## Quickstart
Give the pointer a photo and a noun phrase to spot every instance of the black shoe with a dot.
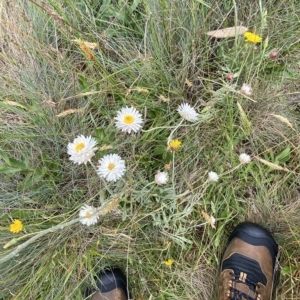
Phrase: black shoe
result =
(111, 285)
(249, 264)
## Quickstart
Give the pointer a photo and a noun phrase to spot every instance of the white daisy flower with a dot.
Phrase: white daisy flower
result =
(246, 89)
(213, 176)
(82, 149)
(187, 112)
(129, 119)
(89, 215)
(111, 167)
(244, 158)
(161, 178)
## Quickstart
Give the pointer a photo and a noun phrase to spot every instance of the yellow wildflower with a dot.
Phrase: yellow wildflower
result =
(16, 226)
(174, 145)
(169, 262)
(252, 37)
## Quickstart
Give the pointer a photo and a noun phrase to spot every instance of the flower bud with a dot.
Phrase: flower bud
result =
(229, 76)
(273, 54)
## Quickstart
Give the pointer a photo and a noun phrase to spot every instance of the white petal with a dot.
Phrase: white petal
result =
(213, 176)
(187, 112)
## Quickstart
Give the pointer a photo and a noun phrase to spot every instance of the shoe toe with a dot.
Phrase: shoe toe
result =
(256, 235)
(111, 279)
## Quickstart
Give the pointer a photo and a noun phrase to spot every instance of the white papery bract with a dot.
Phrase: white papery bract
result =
(246, 89)
(187, 112)
(111, 167)
(129, 119)
(161, 178)
(212, 221)
(82, 149)
(244, 158)
(213, 176)
(89, 215)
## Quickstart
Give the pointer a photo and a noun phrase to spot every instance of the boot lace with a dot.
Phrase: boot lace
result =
(235, 294)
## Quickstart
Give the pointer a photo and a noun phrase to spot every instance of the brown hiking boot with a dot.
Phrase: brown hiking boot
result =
(112, 285)
(249, 264)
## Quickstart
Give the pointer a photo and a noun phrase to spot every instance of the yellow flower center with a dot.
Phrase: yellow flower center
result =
(111, 166)
(129, 119)
(79, 146)
(87, 214)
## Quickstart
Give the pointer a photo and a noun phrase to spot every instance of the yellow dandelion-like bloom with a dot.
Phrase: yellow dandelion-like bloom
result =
(252, 37)
(174, 145)
(169, 262)
(16, 226)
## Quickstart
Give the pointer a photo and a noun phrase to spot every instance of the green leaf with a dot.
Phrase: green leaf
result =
(283, 156)
(224, 214)
(288, 270)
(208, 5)
(4, 157)
(26, 160)
(100, 134)
(30, 180)
(134, 5)
(9, 170)
(17, 163)
(159, 150)
(213, 207)
(83, 82)
(218, 239)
